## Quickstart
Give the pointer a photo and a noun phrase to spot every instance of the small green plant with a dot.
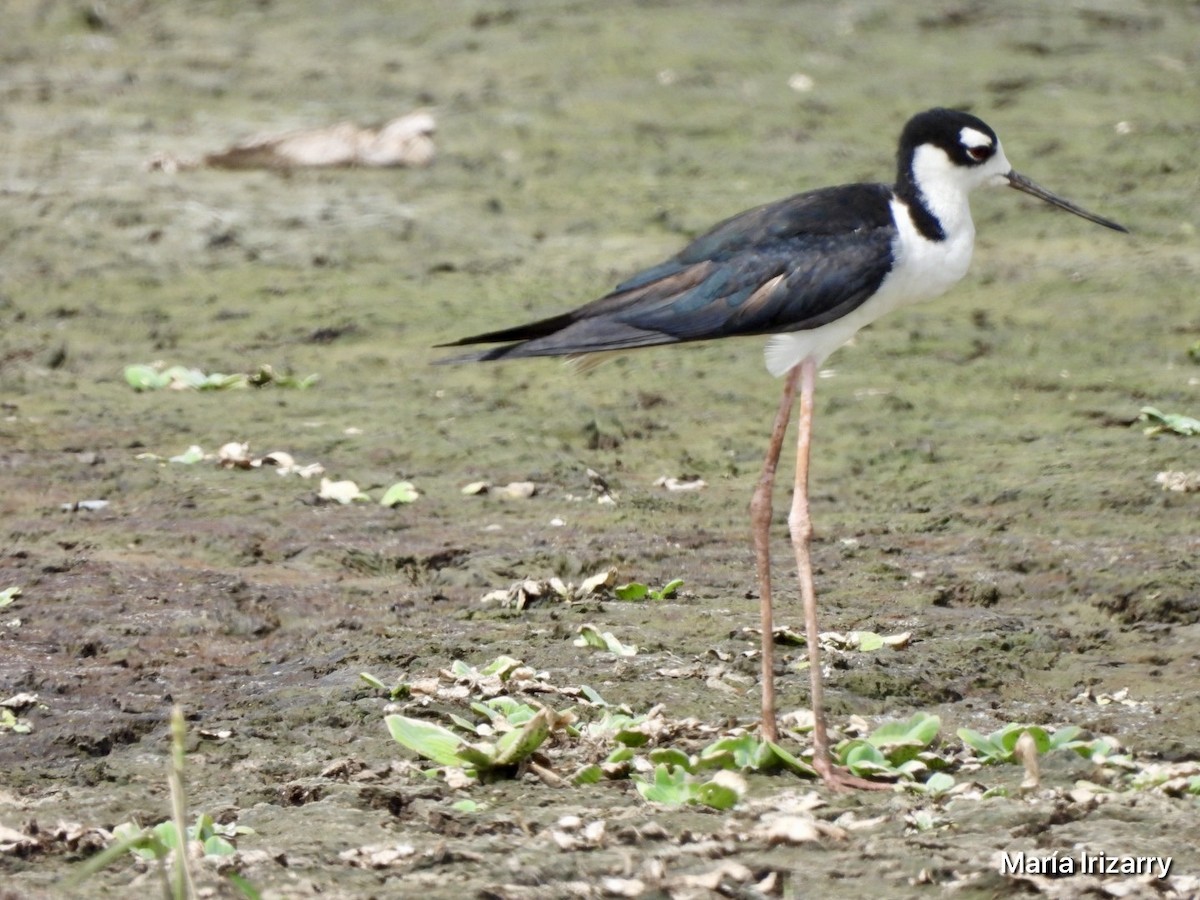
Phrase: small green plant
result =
(398, 691)
(936, 785)
(1172, 778)
(635, 590)
(9, 595)
(744, 753)
(675, 786)
(894, 750)
(10, 721)
(1000, 746)
(161, 843)
(157, 377)
(590, 636)
(398, 494)
(864, 641)
(1156, 422)
(480, 759)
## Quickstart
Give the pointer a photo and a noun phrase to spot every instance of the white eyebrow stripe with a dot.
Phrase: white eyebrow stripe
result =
(971, 137)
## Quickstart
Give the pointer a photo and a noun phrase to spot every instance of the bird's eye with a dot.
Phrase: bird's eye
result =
(979, 154)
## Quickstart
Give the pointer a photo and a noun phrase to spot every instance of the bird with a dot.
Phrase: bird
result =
(808, 271)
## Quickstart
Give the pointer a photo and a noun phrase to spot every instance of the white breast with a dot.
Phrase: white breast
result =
(921, 269)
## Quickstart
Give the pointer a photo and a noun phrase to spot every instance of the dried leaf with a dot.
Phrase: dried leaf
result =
(1183, 482)
(235, 454)
(377, 856)
(600, 580)
(404, 141)
(340, 491)
(686, 483)
(280, 459)
(516, 490)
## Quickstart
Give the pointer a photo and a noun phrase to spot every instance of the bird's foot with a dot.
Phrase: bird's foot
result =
(838, 779)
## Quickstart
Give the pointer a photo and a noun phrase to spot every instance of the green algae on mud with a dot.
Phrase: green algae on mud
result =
(975, 479)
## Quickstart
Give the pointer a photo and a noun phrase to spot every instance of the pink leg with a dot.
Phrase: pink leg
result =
(760, 520)
(800, 526)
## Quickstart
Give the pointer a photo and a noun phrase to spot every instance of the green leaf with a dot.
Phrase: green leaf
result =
(145, 378)
(592, 774)
(10, 722)
(868, 640)
(592, 696)
(669, 787)
(938, 783)
(465, 724)
(981, 744)
(466, 805)
(740, 752)
(480, 755)
(220, 382)
(999, 746)
(373, 681)
(520, 744)
(167, 833)
(1065, 737)
(791, 762)
(917, 732)
(502, 667)
(863, 758)
(426, 739)
(671, 756)
(189, 457)
(398, 493)
(668, 590)
(716, 796)
(590, 636)
(631, 737)
(215, 845)
(1157, 422)
(620, 755)
(8, 595)
(143, 842)
(509, 708)
(632, 591)
(1012, 733)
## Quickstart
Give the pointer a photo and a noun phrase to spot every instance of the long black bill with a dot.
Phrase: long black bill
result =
(1021, 183)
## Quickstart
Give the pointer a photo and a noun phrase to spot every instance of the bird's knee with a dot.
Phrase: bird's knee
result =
(800, 525)
(760, 504)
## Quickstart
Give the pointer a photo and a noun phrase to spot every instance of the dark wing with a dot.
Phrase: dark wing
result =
(791, 265)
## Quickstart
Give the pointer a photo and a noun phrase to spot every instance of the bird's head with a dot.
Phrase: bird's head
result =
(946, 153)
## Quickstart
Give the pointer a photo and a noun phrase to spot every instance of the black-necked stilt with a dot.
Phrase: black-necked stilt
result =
(811, 271)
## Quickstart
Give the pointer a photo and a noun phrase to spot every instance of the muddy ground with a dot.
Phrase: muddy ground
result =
(976, 480)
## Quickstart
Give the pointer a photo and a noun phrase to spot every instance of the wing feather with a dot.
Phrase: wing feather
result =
(792, 265)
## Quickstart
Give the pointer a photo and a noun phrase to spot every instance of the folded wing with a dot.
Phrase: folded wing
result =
(792, 265)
